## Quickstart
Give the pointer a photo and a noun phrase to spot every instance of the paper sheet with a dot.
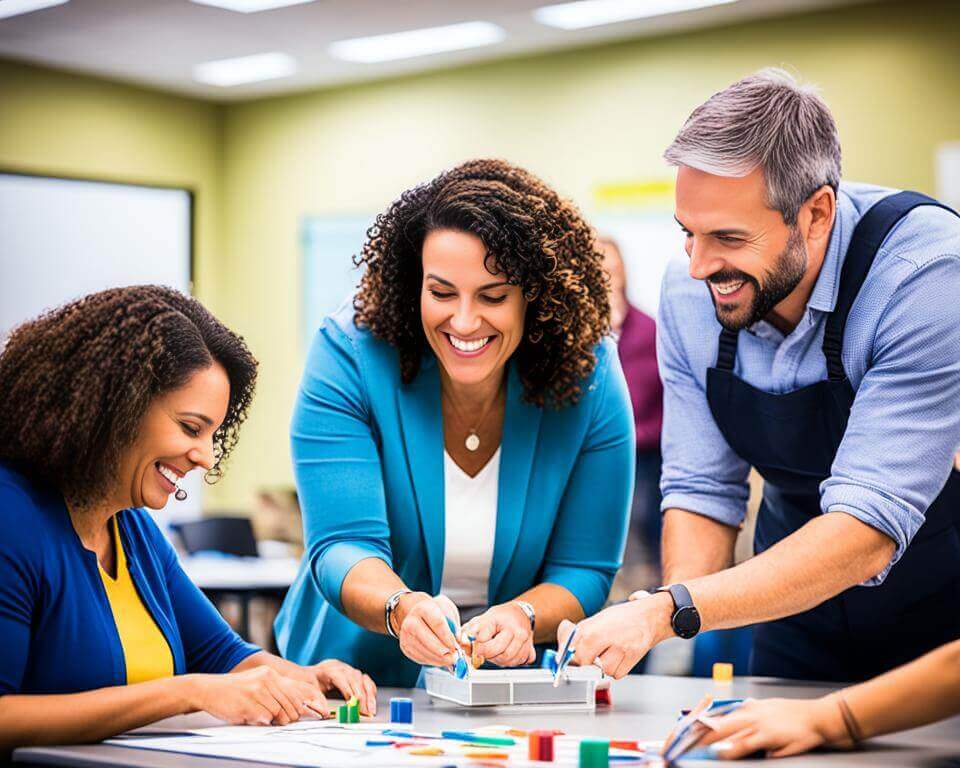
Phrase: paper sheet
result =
(314, 743)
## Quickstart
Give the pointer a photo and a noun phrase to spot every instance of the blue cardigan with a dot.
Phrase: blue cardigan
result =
(368, 461)
(57, 633)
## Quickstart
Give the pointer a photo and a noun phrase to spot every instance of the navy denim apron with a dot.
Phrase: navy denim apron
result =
(791, 439)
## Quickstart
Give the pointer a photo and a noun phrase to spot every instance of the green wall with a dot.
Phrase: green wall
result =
(890, 71)
(62, 124)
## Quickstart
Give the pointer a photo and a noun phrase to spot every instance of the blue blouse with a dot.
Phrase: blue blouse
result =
(57, 633)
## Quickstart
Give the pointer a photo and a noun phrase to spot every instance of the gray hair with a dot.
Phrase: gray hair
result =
(766, 120)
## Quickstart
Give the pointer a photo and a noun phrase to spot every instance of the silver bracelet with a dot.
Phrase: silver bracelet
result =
(389, 607)
(531, 613)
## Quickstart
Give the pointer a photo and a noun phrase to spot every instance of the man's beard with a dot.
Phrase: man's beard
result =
(786, 275)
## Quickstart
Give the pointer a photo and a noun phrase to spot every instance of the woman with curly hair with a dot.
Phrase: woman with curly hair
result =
(105, 404)
(462, 439)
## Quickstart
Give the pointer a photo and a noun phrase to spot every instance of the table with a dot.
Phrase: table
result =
(644, 707)
(245, 578)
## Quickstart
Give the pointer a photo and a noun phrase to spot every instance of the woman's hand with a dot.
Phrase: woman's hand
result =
(619, 636)
(259, 696)
(503, 635)
(335, 675)
(778, 727)
(425, 636)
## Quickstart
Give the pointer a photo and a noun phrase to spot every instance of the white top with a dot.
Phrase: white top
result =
(471, 526)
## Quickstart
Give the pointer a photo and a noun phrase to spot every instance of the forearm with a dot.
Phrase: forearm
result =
(30, 720)
(365, 591)
(552, 604)
(829, 554)
(264, 659)
(693, 545)
(921, 692)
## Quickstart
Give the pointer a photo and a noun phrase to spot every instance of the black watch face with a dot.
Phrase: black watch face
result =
(686, 622)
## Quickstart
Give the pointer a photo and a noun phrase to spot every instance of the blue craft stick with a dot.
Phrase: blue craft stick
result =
(458, 735)
(374, 743)
(462, 667)
(408, 734)
(549, 660)
(565, 656)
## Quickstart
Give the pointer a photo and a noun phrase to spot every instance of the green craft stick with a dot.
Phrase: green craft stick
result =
(353, 710)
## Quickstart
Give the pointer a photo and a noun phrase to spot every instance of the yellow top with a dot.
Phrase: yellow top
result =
(145, 649)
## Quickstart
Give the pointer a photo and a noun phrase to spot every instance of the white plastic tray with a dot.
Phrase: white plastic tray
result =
(511, 687)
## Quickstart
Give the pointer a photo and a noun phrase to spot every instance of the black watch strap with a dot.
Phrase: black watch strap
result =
(686, 619)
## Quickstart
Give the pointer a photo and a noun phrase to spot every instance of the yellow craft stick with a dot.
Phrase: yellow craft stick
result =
(426, 751)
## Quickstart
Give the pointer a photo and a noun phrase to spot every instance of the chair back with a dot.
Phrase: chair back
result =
(229, 535)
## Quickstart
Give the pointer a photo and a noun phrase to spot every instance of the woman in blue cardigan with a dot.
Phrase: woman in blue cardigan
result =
(462, 439)
(105, 404)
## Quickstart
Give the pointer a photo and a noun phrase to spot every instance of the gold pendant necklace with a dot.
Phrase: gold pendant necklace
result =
(472, 440)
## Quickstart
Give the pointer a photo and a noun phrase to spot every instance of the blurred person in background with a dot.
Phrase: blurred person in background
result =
(636, 334)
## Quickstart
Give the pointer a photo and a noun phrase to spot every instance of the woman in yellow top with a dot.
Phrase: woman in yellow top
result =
(145, 651)
(105, 404)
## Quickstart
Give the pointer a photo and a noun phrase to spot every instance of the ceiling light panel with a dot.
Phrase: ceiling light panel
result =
(245, 69)
(10, 8)
(250, 6)
(594, 13)
(417, 42)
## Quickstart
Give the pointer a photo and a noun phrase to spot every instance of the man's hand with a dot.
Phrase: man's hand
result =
(503, 634)
(619, 636)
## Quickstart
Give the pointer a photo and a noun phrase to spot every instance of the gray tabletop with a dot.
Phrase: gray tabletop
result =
(644, 708)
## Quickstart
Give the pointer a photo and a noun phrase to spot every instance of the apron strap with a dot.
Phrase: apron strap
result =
(868, 236)
(727, 349)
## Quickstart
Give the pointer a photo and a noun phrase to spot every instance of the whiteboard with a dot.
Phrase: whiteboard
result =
(61, 239)
(648, 241)
(329, 277)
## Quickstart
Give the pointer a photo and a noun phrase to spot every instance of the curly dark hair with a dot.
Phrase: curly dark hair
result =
(538, 240)
(76, 382)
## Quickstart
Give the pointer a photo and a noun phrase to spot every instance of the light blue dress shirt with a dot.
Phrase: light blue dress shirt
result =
(901, 353)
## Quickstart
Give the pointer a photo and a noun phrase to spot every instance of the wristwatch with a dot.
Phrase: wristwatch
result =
(390, 606)
(686, 619)
(531, 614)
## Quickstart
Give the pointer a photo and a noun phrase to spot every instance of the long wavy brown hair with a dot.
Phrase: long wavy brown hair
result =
(76, 382)
(535, 238)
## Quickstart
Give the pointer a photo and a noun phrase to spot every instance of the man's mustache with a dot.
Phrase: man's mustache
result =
(730, 276)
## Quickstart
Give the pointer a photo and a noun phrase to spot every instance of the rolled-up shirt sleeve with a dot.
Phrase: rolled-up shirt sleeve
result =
(904, 427)
(701, 473)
